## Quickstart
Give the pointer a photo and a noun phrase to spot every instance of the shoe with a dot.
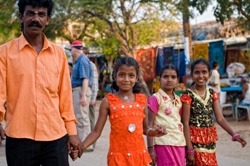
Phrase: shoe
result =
(88, 150)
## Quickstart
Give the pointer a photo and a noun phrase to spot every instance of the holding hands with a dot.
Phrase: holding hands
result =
(74, 153)
(73, 147)
(158, 131)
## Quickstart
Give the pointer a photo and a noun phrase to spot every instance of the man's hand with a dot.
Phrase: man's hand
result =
(2, 134)
(73, 145)
(83, 101)
(92, 102)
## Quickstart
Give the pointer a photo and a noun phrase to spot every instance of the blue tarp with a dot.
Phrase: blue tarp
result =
(179, 62)
(165, 55)
(216, 54)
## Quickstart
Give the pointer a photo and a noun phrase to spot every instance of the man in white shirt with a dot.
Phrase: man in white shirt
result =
(214, 80)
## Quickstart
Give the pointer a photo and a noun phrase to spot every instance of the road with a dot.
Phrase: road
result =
(228, 153)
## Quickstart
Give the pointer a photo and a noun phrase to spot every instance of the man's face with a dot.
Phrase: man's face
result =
(34, 20)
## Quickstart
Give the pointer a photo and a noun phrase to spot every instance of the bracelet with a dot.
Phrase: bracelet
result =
(190, 151)
(149, 128)
(150, 147)
(235, 136)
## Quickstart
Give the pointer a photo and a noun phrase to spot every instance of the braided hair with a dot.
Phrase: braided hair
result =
(129, 61)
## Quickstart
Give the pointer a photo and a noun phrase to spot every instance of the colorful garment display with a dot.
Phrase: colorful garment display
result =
(146, 59)
(164, 56)
(201, 51)
(232, 55)
(216, 54)
(202, 129)
(244, 58)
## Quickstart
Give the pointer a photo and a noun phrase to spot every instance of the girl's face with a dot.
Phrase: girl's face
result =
(126, 77)
(168, 80)
(200, 74)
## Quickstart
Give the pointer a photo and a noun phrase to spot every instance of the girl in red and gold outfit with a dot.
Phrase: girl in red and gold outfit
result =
(199, 103)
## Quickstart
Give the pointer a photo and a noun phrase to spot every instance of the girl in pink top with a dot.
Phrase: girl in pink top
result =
(164, 110)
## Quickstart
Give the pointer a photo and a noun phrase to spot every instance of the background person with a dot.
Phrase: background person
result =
(35, 84)
(244, 99)
(81, 83)
(214, 80)
(94, 90)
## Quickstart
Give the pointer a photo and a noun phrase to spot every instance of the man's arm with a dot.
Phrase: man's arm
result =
(85, 85)
(65, 98)
(3, 85)
(66, 106)
(3, 92)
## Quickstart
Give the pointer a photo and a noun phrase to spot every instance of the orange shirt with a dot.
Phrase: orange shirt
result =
(37, 90)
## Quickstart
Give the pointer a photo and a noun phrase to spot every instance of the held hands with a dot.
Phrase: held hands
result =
(77, 152)
(73, 147)
(158, 131)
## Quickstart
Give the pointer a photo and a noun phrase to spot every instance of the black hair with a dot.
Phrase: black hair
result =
(171, 67)
(215, 64)
(49, 4)
(129, 61)
(36, 3)
(200, 60)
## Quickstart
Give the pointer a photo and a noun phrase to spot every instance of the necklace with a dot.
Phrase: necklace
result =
(125, 97)
(203, 95)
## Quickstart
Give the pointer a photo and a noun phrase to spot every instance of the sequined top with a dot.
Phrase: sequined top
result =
(168, 115)
(127, 146)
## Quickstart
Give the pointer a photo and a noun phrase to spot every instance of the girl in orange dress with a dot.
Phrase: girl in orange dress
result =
(127, 114)
(200, 133)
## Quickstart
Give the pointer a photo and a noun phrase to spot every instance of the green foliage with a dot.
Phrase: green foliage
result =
(9, 24)
(116, 26)
(226, 9)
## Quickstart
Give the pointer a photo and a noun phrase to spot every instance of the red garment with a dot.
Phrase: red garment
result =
(147, 59)
(127, 148)
(202, 129)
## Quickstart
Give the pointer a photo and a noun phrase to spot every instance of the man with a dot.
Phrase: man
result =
(35, 84)
(81, 83)
(94, 90)
(214, 80)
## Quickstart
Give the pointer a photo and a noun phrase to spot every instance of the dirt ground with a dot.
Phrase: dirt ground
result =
(229, 153)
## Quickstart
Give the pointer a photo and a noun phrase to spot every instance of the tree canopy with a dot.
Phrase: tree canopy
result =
(118, 26)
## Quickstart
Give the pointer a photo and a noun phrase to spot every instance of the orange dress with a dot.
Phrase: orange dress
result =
(127, 146)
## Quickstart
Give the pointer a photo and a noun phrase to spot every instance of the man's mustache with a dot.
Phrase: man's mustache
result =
(35, 24)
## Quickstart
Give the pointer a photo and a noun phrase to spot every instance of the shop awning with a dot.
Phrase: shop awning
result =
(235, 40)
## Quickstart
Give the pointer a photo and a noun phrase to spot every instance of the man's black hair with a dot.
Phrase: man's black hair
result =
(36, 3)
(215, 64)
